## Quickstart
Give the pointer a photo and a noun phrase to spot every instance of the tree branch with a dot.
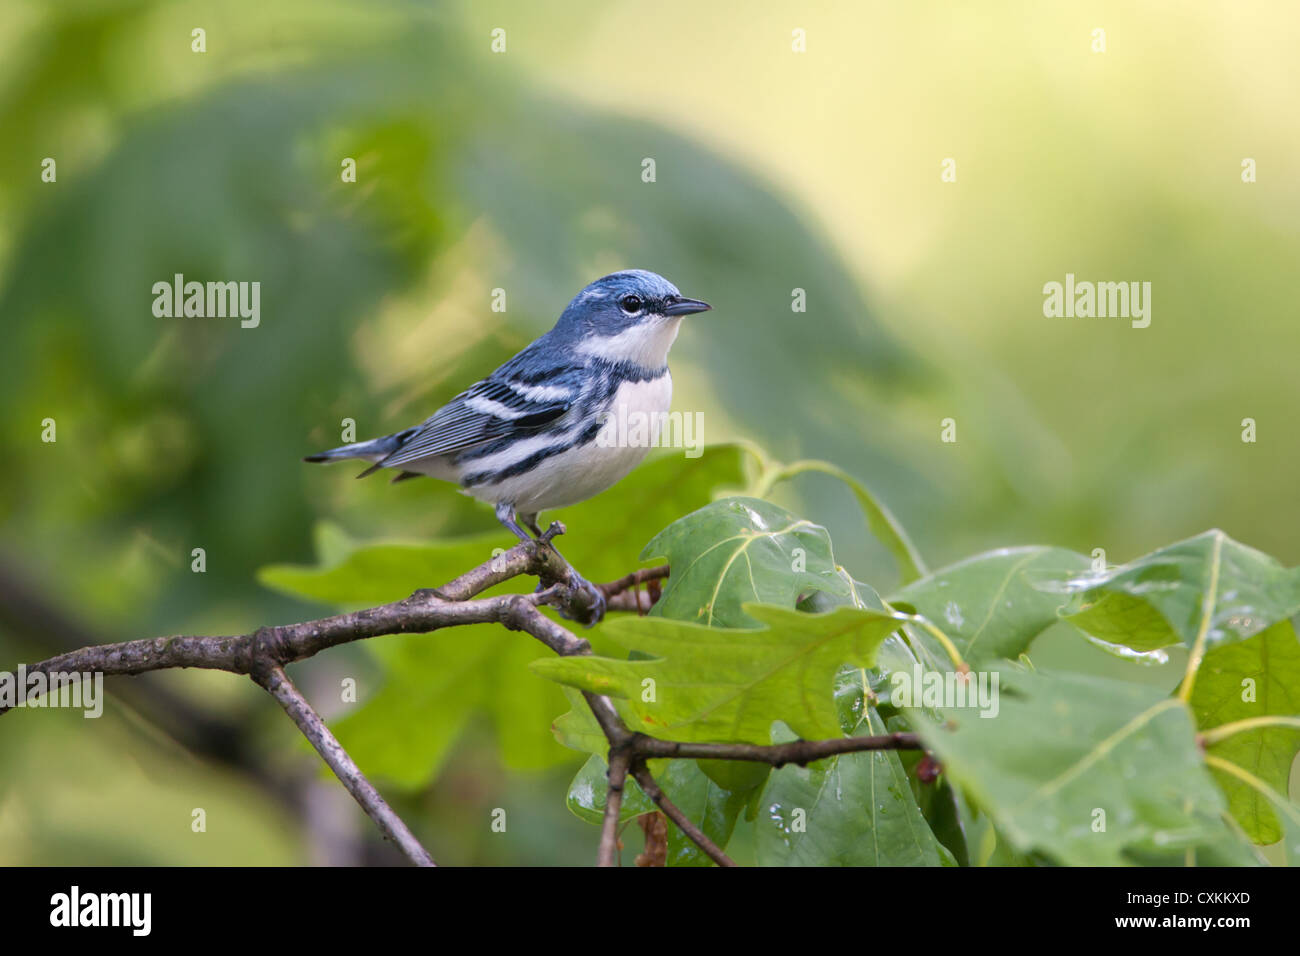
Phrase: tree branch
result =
(801, 752)
(279, 686)
(423, 612)
(264, 653)
(641, 576)
(646, 781)
(616, 779)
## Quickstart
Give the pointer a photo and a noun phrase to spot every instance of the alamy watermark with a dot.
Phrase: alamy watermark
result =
(624, 428)
(208, 300)
(74, 690)
(947, 690)
(133, 911)
(1103, 300)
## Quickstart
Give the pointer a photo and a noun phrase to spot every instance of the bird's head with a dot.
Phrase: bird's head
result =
(629, 316)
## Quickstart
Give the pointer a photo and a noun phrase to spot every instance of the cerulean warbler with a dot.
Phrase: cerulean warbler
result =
(528, 438)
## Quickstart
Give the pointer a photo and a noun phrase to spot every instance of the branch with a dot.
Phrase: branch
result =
(264, 653)
(423, 612)
(279, 686)
(646, 781)
(801, 752)
(642, 576)
(638, 748)
(625, 594)
(616, 778)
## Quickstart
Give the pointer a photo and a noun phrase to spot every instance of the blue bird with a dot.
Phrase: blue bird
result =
(541, 432)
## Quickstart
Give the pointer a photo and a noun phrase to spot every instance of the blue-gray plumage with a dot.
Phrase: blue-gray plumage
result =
(525, 438)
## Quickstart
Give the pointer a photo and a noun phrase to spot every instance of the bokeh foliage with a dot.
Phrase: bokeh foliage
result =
(522, 172)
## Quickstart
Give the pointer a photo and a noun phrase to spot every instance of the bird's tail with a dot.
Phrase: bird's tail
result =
(375, 450)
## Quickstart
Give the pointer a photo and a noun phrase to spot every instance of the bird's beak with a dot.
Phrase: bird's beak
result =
(681, 306)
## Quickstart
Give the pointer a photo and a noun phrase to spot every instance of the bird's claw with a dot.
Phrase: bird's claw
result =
(595, 604)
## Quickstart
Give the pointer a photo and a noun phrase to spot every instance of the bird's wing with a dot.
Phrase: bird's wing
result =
(500, 405)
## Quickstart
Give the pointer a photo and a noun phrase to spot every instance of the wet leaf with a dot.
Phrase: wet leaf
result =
(739, 550)
(1089, 771)
(992, 605)
(1258, 677)
(729, 684)
(1207, 585)
(849, 810)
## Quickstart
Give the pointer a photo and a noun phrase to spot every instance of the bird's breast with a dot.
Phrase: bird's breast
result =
(640, 401)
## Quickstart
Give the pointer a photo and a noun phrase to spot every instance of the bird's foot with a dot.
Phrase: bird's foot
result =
(590, 601)
(574, 599)
(577, 599)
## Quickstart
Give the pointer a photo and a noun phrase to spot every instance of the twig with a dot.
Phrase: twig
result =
(625, 594)
(801, 752)
(646, 781)
(616, 778)
(279, 686)
(631, 580)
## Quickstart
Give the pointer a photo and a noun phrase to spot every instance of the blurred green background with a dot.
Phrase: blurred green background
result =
(521, 170)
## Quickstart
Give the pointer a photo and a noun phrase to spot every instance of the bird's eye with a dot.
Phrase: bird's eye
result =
(630, 304)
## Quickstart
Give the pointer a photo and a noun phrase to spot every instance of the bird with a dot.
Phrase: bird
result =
(542, 431)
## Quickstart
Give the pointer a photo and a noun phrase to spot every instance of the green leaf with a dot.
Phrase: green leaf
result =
(1068, 753)
(848, 810)
(993, 605)
(1287, 811)
(939, 801)
(726, 684)
(577, 728)
(590, 787)
(1259, 677)
(711, 793)
(736, 776)
(1167, 597)
(741, 550)
(711, 807)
